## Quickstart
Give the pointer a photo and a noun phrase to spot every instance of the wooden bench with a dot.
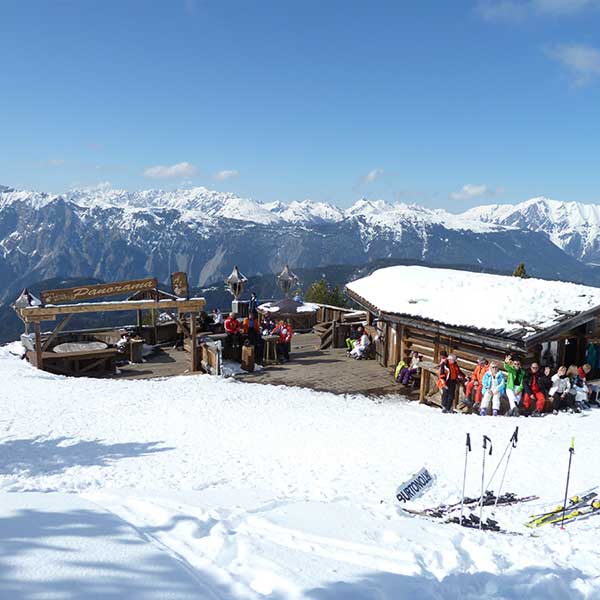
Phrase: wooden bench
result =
(88, 363)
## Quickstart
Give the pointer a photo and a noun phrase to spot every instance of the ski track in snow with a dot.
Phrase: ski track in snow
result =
(257, 491)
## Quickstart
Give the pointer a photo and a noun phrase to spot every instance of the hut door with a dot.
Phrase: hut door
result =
(571, 357)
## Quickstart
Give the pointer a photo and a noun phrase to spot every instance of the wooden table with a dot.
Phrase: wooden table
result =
(270, 349)
(70, 347)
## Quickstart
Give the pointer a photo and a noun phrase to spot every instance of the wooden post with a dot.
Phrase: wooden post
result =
(424, 387)
(194, 351)
(402, 343)
(39, 361)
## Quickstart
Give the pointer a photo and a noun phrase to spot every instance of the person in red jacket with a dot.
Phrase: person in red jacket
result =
(284, 331)
(232, 325)
(533, 391)
(450, 376)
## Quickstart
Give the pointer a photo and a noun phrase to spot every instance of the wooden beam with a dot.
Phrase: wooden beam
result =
(424, 387)
(39, 361)
(56, 331)
(402, 342)
(49, 313)
(194, 352)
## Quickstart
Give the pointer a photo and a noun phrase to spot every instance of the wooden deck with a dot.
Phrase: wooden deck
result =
(166, 362)
(327, 370)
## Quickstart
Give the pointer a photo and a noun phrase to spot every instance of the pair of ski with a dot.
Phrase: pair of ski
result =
(489, 499)
(578, 508)
(444, 512)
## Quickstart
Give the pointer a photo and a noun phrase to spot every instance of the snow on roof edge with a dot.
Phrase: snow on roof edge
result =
(503, 305)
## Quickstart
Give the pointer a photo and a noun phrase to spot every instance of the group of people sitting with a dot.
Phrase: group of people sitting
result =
(528, 391)
(251, 330)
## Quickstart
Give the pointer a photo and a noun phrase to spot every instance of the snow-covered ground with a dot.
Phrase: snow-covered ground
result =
(199, 487)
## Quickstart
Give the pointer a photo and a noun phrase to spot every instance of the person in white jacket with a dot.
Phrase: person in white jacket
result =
(361, 346)
(561, 400)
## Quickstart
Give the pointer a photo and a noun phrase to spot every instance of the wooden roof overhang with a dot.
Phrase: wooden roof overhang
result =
(519, 340)
(32, 314)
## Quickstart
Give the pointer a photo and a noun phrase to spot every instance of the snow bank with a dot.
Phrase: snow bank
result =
(476, 300)
(222, 489)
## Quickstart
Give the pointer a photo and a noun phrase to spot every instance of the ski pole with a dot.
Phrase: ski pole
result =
(486, 439)
(489, 483)
(462, 501)
(513, 444)
(571, 452)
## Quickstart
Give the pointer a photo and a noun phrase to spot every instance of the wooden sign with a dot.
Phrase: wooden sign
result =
(87, 292)
(179, 284)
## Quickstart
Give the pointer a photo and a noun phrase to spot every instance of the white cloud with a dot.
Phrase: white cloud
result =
(471, 191)
(182, 169)
(517, 10)
(582, 62)
(371, 176)
(54, 162)
(226, 174)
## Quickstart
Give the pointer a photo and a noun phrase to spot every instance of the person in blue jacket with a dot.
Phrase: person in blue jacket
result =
(492, 387)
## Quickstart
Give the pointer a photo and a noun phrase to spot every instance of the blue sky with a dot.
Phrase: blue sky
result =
(447, 104)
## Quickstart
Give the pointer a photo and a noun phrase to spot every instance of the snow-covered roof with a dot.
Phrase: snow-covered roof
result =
(474, 300)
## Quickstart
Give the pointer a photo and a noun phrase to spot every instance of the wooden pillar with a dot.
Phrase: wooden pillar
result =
(139, 319)
(39, 361)
(424, 387)
(402, 342)
(194, 350)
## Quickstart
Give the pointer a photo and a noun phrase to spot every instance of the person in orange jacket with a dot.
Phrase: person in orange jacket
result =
(251, 326)
(450, 376)
(475, 382)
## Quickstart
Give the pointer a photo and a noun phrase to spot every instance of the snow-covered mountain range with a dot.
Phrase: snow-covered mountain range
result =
(572, 226)
(116, 234)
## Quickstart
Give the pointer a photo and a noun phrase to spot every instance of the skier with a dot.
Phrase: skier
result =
(474, 384)
(410, 370)
(251, 328)
(253, 304)
(450, 375)
(514, 384)
(281, 329)
(217, 320)
(353, 337)
(584, 372)
(360, 349)
(493, 386)
(561, 400)
(532, 391)
(578, 388)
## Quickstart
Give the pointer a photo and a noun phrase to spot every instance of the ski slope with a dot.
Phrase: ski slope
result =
(199, 487)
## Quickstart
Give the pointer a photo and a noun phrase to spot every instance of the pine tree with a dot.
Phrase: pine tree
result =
(321, 293)
(520, 271)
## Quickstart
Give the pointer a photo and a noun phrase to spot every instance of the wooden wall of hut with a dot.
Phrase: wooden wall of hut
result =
(400, 340)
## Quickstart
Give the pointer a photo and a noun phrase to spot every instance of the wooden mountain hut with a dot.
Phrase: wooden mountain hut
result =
(479, 315)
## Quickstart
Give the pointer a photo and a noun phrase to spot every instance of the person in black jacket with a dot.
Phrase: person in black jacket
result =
(545, 381)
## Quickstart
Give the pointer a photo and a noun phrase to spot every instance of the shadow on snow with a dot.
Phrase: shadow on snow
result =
(42, 456)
